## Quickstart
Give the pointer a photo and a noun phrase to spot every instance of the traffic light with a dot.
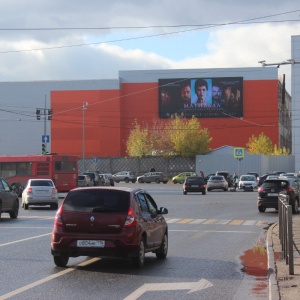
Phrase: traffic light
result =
(44, 149)
(38, 114)
(49, 114)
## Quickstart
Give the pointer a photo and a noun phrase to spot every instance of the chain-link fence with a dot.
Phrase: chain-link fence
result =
(170, 166)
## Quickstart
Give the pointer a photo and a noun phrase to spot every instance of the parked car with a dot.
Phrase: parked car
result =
(216, 183)
(194, 184)
(104, 180)
(208, 176)
(94, 176)
(125, 176)
(270, 189)
(257, 175)
(227, 176)
(40, 192)
(264, 176)
(182, 176)
(109, 221)
(111, 180)
(157, 177)
(9, 201)
(247, 182)
(84, 180)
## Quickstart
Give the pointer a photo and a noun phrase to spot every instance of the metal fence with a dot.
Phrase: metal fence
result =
(286, 230)
(170, 166)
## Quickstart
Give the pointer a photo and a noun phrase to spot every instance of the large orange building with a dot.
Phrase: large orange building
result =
(96, 123)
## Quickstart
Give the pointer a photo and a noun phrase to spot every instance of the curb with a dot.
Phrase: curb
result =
(273, 285)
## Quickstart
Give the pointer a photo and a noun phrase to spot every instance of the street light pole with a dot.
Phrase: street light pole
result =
(84, 107)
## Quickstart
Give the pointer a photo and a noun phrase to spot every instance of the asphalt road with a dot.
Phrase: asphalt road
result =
(207, 236)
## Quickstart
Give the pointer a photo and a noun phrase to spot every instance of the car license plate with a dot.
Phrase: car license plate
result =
(90, 243)
(273, 194)
(194, 185)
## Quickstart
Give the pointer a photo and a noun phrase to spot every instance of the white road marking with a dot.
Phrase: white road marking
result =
(42, 281)
(27, 239)
(191, 286)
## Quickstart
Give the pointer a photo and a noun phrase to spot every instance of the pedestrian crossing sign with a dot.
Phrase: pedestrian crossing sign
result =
(238, 152)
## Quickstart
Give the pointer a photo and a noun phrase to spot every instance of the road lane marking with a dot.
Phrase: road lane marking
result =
(198, 221)
(42, 281)
(236, 222)
(23, 240)
(249, 222)
(173, 220)
(223, 222)
(210, 221)
(149, 287)
(184, 221)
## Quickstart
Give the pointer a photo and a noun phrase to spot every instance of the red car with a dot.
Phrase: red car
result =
(109, 221)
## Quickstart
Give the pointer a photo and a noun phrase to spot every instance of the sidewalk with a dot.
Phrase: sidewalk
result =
(281, 284)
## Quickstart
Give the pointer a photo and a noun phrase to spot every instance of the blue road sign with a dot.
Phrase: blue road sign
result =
(45, 139)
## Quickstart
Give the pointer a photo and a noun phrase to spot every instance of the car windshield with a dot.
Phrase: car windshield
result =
(248, 178)
(194, 180)
(41, 183)
(96, 200)
(275, 184)
(216, 178)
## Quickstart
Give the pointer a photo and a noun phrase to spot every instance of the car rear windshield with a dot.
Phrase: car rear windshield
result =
(80, 177)
(96, 201)
(275, 184)
(41, 183)
(195, 180)
(248, 178)
(216, 178)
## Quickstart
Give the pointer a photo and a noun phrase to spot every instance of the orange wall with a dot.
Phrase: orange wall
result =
(111, 113)
(101, 123)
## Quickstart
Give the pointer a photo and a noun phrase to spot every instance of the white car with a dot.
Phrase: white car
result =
(40, 192)
(248, 182)
(216, 182)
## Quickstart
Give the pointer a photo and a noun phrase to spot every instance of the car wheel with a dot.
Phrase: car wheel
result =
(15, 210)
(25, 206)
(117, 181)
(126, 180)
(175, 181)
(17, 188)
(61, 260)
(140, 180)
(184, 192)
(138, 261)
(295, 208)
(204, 193)
(165, 182)
(163, 250)
(157, 180)
(225, 189)
(133, 181)
(54, 206)
(261, 209)
(0, 209)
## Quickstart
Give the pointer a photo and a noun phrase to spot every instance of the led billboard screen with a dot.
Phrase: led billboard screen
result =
(201, 97)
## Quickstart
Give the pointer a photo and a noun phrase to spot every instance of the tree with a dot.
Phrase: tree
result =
(263, 145)
(177, 136)
(188, 137)
(138, 143)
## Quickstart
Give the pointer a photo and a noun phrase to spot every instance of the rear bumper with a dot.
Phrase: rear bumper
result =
(268, 202)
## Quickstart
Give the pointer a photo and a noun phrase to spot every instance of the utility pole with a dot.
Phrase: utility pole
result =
(84, 107)
(47, 113)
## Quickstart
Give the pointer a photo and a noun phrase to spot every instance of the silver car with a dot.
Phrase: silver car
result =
(217, 182)
(40, 192)
(126, 176)
(84, 180)
(248, 182)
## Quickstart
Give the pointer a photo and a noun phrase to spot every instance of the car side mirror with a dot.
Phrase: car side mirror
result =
(163, 211)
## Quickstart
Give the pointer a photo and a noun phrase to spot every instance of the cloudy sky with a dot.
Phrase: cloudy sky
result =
(94, 39)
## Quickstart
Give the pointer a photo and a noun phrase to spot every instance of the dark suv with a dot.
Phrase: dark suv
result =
(109, 221)
(227, 176)
(194, 184)
(270, 189)
(9, 201)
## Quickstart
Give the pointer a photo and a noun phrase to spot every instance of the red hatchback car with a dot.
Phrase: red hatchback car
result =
(109, 221)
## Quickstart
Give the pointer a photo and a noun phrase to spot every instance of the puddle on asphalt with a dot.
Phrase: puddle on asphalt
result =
(255, 265)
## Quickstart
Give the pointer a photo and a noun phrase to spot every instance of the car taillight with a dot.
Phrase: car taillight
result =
(130, 219)
(288, 190)
(54, 191)
(260, 189)
(29, 190)
(58, 220)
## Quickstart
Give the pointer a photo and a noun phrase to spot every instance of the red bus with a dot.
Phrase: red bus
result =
(62, 169)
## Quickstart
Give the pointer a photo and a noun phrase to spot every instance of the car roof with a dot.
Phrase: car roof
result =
(124, 189)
